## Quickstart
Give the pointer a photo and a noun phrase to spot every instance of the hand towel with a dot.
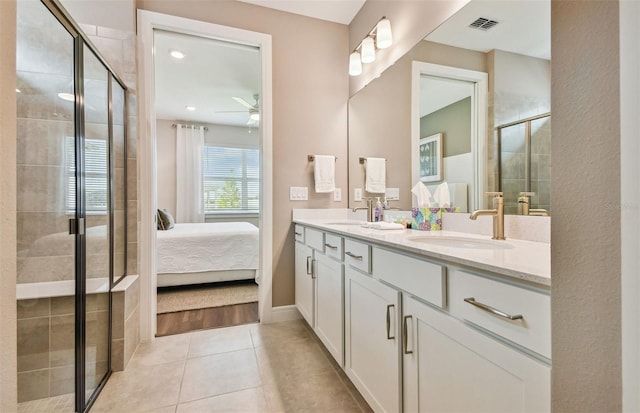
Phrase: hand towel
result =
(383, 225)
(442, 195)
(375, 173)
(324, 171)
(422, 194)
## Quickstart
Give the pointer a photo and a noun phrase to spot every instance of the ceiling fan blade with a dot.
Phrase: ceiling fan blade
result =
(243, 102)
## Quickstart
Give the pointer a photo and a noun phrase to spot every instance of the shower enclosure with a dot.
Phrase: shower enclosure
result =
(524, 159)
(70, 209)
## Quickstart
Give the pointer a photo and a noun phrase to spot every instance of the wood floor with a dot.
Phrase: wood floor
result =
(206, 318)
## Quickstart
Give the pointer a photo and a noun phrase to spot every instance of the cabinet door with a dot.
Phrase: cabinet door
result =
(372, 341)
(329, 305)
(451, 367)
(304, 281)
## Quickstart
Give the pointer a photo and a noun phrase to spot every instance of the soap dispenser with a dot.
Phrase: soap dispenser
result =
(378, 211)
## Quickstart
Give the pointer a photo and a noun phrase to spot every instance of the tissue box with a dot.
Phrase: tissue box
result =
(428, 219)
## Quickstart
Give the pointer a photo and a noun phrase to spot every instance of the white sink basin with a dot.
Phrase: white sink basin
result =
(461, 242)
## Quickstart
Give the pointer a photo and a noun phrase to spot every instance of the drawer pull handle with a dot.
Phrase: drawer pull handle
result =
(389, 336)
(299, 233)
(309, 266)
(333, 247)
(313, 273)
(354, 256)
(492, 310)
(404, 335)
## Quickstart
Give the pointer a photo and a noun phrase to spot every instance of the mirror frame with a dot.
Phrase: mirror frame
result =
(479, 122)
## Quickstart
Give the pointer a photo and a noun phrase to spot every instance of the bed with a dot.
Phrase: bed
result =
(208, 252)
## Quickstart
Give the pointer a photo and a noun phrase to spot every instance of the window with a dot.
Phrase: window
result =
(231, 179)
(96, 175)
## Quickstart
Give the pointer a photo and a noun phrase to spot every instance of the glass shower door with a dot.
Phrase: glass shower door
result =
(97, 205)
(46, 167)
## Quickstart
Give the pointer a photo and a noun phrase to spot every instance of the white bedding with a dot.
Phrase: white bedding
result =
(189, 248)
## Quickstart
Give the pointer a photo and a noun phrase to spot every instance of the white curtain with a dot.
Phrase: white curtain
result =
(189, 176)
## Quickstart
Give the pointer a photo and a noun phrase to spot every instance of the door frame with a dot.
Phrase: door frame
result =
(478, 121)
(147, 22)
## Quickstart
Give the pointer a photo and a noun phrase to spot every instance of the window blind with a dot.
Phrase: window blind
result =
(231, 179)
(96, 175)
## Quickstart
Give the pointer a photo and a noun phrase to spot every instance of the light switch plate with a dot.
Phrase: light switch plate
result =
(298, 193)
(357, 194)
(337, 195)
(392, 194)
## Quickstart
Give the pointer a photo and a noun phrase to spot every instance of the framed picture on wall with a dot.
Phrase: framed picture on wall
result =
(431, 158)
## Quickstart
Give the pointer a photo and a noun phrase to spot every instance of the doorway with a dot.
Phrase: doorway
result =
(257, 101)
(207, 109)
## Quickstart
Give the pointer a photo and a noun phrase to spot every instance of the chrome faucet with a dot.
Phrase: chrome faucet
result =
(524, 203)
(369, 209)
(497, 212)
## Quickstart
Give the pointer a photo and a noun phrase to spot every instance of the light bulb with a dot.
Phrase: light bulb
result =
(355, 65)
(384, 38)
(368, 50)
(255, 116)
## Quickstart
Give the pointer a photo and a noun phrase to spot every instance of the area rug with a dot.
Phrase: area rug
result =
(195, 297)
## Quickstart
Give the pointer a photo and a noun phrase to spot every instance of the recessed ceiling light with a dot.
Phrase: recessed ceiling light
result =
(18, 90)
(176, 54)
(191, 108)
(67, 96)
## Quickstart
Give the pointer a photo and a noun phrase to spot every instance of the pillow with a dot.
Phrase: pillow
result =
(165, 220)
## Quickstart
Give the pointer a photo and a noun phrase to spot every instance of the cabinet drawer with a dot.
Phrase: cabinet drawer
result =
(420, 278)
(314, 239)
(532, 331)
(333, 246)
(298, 233)
(357, 255)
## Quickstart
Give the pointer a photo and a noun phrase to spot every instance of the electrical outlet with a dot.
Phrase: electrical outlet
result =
(298, 193)
(357, 194)
(392, 194)
(337, 195)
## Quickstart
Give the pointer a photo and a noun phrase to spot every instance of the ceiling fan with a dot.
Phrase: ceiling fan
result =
(254, 110)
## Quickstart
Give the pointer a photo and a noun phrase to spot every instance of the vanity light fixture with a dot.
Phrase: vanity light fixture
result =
(379, 37)
(355, 64)
(368, 50)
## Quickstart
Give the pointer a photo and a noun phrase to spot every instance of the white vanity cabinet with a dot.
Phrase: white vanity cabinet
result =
(319, 285)
(449, 366)
(424, 334)
(372, 340)
(329, 307)
(304, 285)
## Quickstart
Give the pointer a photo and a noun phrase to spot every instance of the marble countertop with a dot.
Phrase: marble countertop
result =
(526, 260)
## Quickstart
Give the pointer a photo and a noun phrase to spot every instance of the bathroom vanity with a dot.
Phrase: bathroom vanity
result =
(429, 321)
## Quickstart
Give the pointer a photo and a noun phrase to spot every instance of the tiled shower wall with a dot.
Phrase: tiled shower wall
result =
(46, 343)
(519, 87)
(46, 325)
(119, 50)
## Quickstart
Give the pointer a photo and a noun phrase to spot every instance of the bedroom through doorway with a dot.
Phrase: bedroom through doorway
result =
(208, 153)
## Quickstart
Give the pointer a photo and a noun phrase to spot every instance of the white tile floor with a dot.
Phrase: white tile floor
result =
(250, 368)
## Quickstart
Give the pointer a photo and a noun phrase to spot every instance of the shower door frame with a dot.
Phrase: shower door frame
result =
(77, 224)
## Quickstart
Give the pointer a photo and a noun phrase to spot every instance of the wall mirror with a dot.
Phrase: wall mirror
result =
(495, 132)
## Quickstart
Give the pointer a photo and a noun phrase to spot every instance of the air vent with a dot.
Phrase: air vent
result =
(483, 23)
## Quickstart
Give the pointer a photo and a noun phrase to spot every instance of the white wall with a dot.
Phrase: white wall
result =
(166, 157)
